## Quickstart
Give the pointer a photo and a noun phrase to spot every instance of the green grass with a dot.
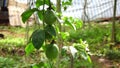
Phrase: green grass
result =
(16, 62)
(15, 40)
(12, 42)
(97, 36)
(93, 34)
(14, 36)
(6, 62)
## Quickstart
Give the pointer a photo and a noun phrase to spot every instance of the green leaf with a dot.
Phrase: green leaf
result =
(70, 0)
(78, 23)
(38, 38)
(81, 48)
(64, 35)
(66, 2)
(85, 56)
(41, 2)
(40, 15)
(29, 48)
(88, 58)
(40, 65)
(57, 29)
(48, 36)
(69, 21)
(26, 15)
(49, 29)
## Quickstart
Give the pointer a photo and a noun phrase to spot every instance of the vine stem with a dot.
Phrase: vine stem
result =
(44, 17)
(60, 42)
(43, 14)
(50, 63)
(50, 5)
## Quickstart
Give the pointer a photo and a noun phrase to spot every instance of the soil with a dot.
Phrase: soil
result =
(10, 33)
(11, 50)
(103, 62)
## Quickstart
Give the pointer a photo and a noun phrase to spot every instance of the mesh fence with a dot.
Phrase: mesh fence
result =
(89, 10)
(92, 9)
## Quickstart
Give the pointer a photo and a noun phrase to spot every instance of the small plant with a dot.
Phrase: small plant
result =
(48, 36)
(6, 62)
(83, 54)
(75, 54)
(113, 54)
(43, 37)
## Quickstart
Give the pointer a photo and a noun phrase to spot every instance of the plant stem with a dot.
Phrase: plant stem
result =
(27, 32)
(50, 5)
(50, 64)
(59, 36)
(72, 61)
(43, 14)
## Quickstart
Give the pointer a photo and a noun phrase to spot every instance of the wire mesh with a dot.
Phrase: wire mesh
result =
(92, 9)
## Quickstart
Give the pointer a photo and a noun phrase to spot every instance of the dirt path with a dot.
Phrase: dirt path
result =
(105, 63)
(13, 34)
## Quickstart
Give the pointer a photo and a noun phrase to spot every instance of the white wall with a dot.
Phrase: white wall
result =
(22, 1)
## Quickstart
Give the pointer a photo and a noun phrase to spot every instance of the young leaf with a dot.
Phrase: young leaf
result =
(40, 15)
(78, 23)
(66, 3)
(41, 2)
(64, 35)
(38, 38)
(69, 22)
(29, 48)
(26, 15)
(89, 59)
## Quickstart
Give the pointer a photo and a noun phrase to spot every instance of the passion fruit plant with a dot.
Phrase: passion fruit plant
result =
(48, 32)
(46, 36)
